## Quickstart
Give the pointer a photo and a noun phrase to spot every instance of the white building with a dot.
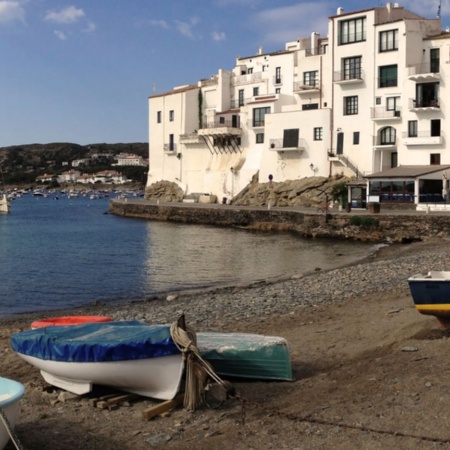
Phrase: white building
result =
(69, 176)
(366, 99)
(129, 159)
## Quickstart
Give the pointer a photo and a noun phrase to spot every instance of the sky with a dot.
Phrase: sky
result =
(81, 71)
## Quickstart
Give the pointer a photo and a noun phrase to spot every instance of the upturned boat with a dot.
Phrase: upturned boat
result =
(11, 392)
(431, 294)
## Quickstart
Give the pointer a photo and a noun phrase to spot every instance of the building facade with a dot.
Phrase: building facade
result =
(367, 98)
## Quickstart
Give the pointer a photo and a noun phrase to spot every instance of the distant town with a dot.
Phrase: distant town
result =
(60, 164)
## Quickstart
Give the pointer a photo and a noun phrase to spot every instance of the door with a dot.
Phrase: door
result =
(340, 144)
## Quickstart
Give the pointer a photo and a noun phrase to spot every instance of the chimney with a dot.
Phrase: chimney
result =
(260, 50)
(340, 11)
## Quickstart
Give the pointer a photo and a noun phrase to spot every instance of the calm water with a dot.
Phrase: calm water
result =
(63, 253)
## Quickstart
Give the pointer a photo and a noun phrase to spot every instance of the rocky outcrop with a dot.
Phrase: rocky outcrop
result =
(164, 191)
(305, 192)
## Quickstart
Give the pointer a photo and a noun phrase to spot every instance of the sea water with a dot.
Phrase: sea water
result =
(60, 252)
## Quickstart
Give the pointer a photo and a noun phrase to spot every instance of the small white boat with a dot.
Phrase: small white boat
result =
(4, 203)
(11, 393)
(131, 356)
(431, 294)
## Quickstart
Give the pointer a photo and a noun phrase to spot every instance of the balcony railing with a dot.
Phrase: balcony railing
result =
(247, 78)
(310, 85)
(221, 124)
(169, 148)
(315, 51)
(381, 113)
(279, 146)
(345, 76)
(238, 104)
(422, 103)
(277, 80)
(423, 138)
(419, 69)
(379, 141)
(421, 134)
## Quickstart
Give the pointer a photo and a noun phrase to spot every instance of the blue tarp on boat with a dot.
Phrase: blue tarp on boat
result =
(96, 342)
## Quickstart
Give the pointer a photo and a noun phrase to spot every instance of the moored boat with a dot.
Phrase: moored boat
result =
(431, 294)
(4, 203)
(11, 392)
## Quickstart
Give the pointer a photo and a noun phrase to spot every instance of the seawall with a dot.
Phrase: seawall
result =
(386, 226)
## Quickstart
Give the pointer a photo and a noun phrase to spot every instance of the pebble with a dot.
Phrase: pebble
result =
(224, 306)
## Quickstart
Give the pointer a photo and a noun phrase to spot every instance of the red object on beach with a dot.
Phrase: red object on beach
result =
(68, 320)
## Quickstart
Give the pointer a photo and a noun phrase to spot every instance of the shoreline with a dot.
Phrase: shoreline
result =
(367, 367)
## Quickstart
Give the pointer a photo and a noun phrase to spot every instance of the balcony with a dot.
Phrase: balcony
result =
(348, 77)
(381, 143)
(311, 87)
(423, 138)
(423, 105)
(381, 113)
(277, 145)
(220, 128)
(170, 148)
(424, 72)
(248, 78)
(191, 138)
(278, 80)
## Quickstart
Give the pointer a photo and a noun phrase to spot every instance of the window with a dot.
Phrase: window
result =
(387, 136)
(388, 40)
(158, 117)
(353, 30)
(350, 105)
(171, 115)
(377, 100)
(260, 138)
(435, 127)
(387, 76)
(434, 60)
(308, 106)
(310, 78)
(277, 90)
(277, 75)
(255, 91)
(221, 120)
(412, 128)
(427, 95)
(351, 68)
(259, 115)
(392, 103)
(435, 158)
(290, 138)
(241, 97)
(394, 159)
(318, 133)
(356, 138)
(250, 70)
(171, 142)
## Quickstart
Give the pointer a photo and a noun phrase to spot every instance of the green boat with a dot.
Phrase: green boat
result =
(244, 355)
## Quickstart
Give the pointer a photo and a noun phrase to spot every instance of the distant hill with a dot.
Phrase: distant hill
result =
(23, 163)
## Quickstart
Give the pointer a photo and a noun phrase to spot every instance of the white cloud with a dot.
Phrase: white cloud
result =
(159, 23)
(67, 15)
(218, 35)
(11, 11)
(60, 35)
(91, 27)
(187, 28)
(281, 25)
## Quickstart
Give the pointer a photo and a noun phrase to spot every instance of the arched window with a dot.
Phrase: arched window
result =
(387, 136)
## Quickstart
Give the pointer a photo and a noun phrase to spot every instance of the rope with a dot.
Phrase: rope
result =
(197, 368)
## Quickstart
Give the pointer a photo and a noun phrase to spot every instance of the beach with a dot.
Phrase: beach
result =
(369, 369)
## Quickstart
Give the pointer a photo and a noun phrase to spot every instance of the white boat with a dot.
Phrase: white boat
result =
(431, 294)
(11, 393)
(4, 203)
(131, 356)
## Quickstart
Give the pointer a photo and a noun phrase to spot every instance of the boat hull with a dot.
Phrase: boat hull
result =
(11, 392)
(158, 378)
(431, 294)
(246, 355)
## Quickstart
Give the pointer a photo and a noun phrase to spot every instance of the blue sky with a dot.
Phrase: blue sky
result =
(82, 71)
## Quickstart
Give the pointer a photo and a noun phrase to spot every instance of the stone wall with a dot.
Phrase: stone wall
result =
(384, 227)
